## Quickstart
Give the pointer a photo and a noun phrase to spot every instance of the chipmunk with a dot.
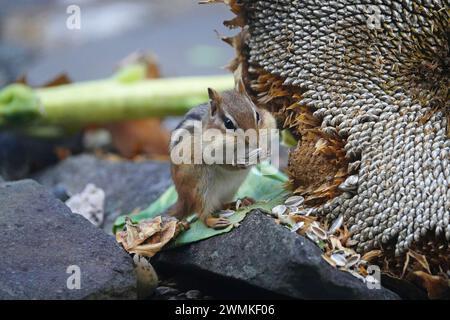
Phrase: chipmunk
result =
(206, 188)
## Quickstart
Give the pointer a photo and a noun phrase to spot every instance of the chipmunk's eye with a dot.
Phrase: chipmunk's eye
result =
(257, 117)
(228, 123)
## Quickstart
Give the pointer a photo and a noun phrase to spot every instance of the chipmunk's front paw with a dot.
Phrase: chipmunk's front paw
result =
(217, 222)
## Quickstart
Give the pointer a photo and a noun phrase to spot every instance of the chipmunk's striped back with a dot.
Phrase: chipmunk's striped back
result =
(195, 117)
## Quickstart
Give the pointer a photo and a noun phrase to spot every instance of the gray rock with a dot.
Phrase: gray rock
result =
(265, 255)
(127, 185)
(41, 238)
(1, 179)
(22, 155)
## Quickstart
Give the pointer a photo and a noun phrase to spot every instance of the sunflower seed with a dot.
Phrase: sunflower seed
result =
(293, 210)
(226, 213)
(311, 236)
(357, 275)
(294, 201)
(297, 226)
(336, 225)
(351, 243)
(279, 210)
(352, 260)
(350, 184)
(339, 259)
(319, 232)
(238, 204)
(286, 220)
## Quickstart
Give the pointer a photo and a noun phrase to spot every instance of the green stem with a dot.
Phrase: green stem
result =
(104, 101)
(108, 101)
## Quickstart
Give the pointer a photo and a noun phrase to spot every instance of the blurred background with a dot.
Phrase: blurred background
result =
(35, 41)
(181, 35)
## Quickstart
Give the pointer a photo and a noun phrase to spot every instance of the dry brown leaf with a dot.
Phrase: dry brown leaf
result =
(344, 235)
(335, 243)
(135, 234)
(134, 137)
(148, 236)
(421, 259)
(405, 266)
(62, 152)
(58, 80)
(362, 270)
(158, 241)
(369, 256)
(238, 21)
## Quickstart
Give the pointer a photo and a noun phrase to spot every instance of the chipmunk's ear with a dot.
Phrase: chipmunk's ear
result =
(241, 87)
(214, 100)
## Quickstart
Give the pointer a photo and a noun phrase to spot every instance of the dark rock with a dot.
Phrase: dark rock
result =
(14, 162)
(166, 291)
(127, 185)
(41, 238)
(262, 254)
(21, 155)
(405, 289)
(193, 294)
(169, 288)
